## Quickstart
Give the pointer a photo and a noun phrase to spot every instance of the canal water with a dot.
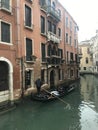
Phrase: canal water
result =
(80, 112)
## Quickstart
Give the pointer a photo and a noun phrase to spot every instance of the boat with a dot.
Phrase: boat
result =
(45, 96)
(48, 95)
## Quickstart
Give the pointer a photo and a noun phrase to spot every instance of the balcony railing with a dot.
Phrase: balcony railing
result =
(72, 62)
(52, 12)
(53, 60)
(30, 59)
(52, 37)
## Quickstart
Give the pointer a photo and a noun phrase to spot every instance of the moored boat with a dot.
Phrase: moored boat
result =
(48, 95)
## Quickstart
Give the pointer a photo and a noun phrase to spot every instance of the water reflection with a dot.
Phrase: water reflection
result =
(89, 103)
(82, 115)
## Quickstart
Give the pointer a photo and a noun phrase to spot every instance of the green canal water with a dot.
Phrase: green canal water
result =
(81, 114)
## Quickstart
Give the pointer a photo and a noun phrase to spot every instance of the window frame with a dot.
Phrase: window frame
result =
(26, 26)
(26, 49)
(43, 28)
(8, 43)
(6, 9)
(67, 38)
(67, 22)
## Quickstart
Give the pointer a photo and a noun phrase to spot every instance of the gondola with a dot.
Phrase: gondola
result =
(49, 95)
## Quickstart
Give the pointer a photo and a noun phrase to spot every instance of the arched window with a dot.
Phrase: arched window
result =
(53, 5)
(49, 3)
(49, 50)
(54, 50)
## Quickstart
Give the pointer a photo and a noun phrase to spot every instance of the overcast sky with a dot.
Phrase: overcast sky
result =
(85, 13)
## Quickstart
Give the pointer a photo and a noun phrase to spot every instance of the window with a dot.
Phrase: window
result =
(43, 52)
(54, 28)
(84, 68)
(66, 37)
(53, 5)
(49, 2)
(88, 50)
(49, 26)
(71, 56)
(75, 43)
(67, 56)
(70, 26)
(75, 29)
(28, 16)
(5, 32)
(42, 2)
(59, 12)
(27, 78)
(60, 53)
(66, 21)
(28, 49)
(6, 4)
(86, 60)
(70, 40)
(76, 58)
(54, 50)
(42, 24)
(71, 73)
(59, 32)
(49, 50)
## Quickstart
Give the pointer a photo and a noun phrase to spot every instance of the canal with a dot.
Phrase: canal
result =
(81, 112)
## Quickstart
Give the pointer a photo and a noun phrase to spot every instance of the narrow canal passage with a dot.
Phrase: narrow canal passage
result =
(81, 115)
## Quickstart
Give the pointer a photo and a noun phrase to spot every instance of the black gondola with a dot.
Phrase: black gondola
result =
(48, 95)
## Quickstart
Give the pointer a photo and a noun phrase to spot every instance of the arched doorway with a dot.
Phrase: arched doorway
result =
(6, 80)
(4, 71)
(52, 75)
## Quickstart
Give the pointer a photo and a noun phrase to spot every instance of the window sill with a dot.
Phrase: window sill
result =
(29, 28)
(31, 62)
(43, 34)
(6, 10)
(5, 43)
(30, 1)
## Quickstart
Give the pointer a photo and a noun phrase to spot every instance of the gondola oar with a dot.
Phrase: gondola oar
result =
(67, 104)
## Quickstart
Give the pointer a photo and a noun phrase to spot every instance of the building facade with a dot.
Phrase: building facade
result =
(9, 65)
(94, 52)
(86, 61)
(38, 39)
(88, 51)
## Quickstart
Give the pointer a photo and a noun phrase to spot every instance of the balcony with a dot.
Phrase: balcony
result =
(53, 60)
(72, 62)
(52, 37)
(30, 59)
(51, 12)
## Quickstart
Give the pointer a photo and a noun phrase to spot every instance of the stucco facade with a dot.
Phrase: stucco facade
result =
(86, 61)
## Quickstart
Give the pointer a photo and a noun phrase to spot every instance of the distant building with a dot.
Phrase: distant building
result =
(94, 52)
(86, 61)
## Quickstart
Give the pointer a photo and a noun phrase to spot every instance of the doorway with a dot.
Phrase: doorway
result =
(52, 78)
(4, 71)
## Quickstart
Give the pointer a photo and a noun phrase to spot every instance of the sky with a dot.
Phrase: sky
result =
(85, 14)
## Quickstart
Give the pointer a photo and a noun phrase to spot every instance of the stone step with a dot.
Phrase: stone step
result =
(6, 106)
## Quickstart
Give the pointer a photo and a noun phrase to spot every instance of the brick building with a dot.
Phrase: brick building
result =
(38, 39)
